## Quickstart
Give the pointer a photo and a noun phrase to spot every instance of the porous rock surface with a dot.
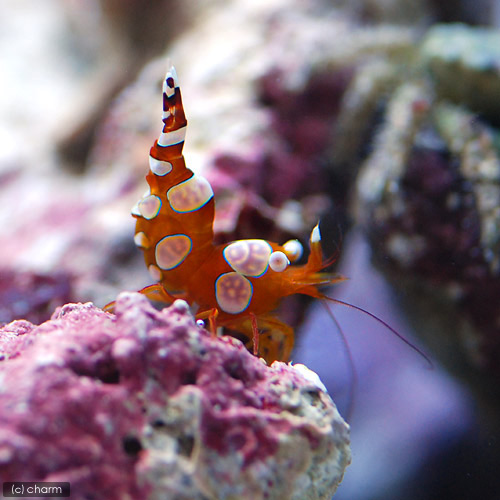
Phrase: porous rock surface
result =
(146, 404)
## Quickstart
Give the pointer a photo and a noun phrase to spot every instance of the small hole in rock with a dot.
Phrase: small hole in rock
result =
(158, 424)
(189, 378)
(109, 377)
(186, 445)
(235, 370)
(105, 371)
(131, 445)
(315, 398)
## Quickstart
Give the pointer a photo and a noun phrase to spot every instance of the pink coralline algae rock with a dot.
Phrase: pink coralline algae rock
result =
(147, 404)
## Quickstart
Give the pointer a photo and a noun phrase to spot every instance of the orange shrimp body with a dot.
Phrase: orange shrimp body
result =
(236, 285)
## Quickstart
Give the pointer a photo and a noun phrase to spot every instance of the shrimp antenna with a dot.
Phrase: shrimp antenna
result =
(350, 361)
(383, 323)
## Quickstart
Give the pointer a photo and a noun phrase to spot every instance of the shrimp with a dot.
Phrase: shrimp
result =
(236, 285)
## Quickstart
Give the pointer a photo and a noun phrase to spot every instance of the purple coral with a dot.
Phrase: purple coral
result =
(146, 404)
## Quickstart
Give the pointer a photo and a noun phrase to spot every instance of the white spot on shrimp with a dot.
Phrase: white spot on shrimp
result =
(135, 210)
(172, 250)
(293, 250)
(315, 234)
(233, 292)
(141, 240)
(159, 167)
(278, 261)
(190, 195)
(150, 206)
(248, 257)
(154, 272)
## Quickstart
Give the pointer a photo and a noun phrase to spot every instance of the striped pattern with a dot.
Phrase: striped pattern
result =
(173, 137)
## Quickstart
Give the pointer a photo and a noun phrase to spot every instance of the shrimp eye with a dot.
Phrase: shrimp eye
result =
(278, 261)
(293, 250)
